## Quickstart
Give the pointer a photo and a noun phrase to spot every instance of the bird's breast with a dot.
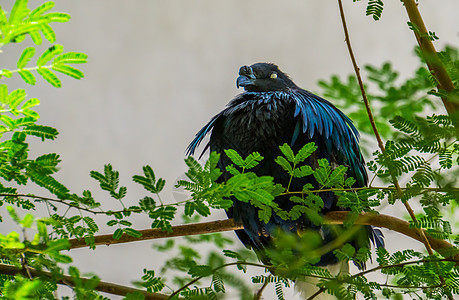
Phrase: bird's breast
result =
(259, 124)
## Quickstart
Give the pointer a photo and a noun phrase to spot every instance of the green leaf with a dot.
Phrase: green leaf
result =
(346, 253)
(49, 54)
(16, 97)
(3, 19)
(60, 258)
(3, 93)
(120, 194)
(265, 213)
(261, 195)
(36, 37)
(68, 70)
(132, 232)
(58, 17)
(235, 157)
(147, 203)
(217, 283)
(71, 58)
(48, 33)
(125, 223)
(323, 172)
(30, 103)
(18, 12)
(445, 159)
(9, 122)
(189, 208)
(200, 270)
(41, 9)
(303, 171)
(50, 77)
(118, 233)
(252, 160)
(148, 171)
(48, 161)
(232, 170)
(112, 223)
(280, 160)
(375, 8)
(349, 182)
(202, 209)
(26, 55)
(337, 176)
(160, 185)
(31, 113)
(279, 291)
(149, 180)
(27, 221)
(28, 77)
(305, 152)
(58, 245)
(287, 151)
(7, 73)
(49, 183)
(232, 254)
(91, 224)
(44, 132)
(134, 296)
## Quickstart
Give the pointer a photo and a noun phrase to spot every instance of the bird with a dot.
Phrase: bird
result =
(271, 111)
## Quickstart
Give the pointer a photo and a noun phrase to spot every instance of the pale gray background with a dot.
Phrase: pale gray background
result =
(159, 70)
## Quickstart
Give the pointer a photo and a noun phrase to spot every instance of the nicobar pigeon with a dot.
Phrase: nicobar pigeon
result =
(272, 111)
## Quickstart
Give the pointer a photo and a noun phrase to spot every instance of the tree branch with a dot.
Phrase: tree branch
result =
(424, 239)
(430, 55)
(150, 234)
(105, 287)
(336, 217)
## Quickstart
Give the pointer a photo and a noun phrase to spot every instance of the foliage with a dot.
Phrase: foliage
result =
(421, 151)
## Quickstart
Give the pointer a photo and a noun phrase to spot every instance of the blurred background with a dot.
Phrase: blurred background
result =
(159, 70)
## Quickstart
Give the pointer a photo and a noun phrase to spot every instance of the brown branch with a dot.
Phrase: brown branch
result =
(424, 240)
(320, 291)
(398, 225)
(336, 217)
(150, 234)
(430, 55)
(259, 293)
(102, 286)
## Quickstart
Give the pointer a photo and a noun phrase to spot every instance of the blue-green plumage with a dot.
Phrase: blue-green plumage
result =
(273, 111)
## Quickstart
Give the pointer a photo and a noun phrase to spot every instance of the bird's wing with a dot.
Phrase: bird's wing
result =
(201, 134)
(318, 117)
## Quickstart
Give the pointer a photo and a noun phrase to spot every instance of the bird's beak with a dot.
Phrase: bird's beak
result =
(245, 80)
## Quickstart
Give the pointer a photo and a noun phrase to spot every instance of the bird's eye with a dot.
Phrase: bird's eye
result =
(273, 75)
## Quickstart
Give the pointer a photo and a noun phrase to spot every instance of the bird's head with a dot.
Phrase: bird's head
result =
(263, 77)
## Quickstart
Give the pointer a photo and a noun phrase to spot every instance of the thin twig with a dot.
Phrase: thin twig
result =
(100, 211)
(375, 129)
(435, 65)
(259, 292)
(102, 286)
(320, 291)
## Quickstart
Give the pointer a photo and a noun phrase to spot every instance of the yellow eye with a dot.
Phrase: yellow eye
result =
(273, 75)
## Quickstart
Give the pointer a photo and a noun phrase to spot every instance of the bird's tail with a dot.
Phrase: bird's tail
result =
(307, 286)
